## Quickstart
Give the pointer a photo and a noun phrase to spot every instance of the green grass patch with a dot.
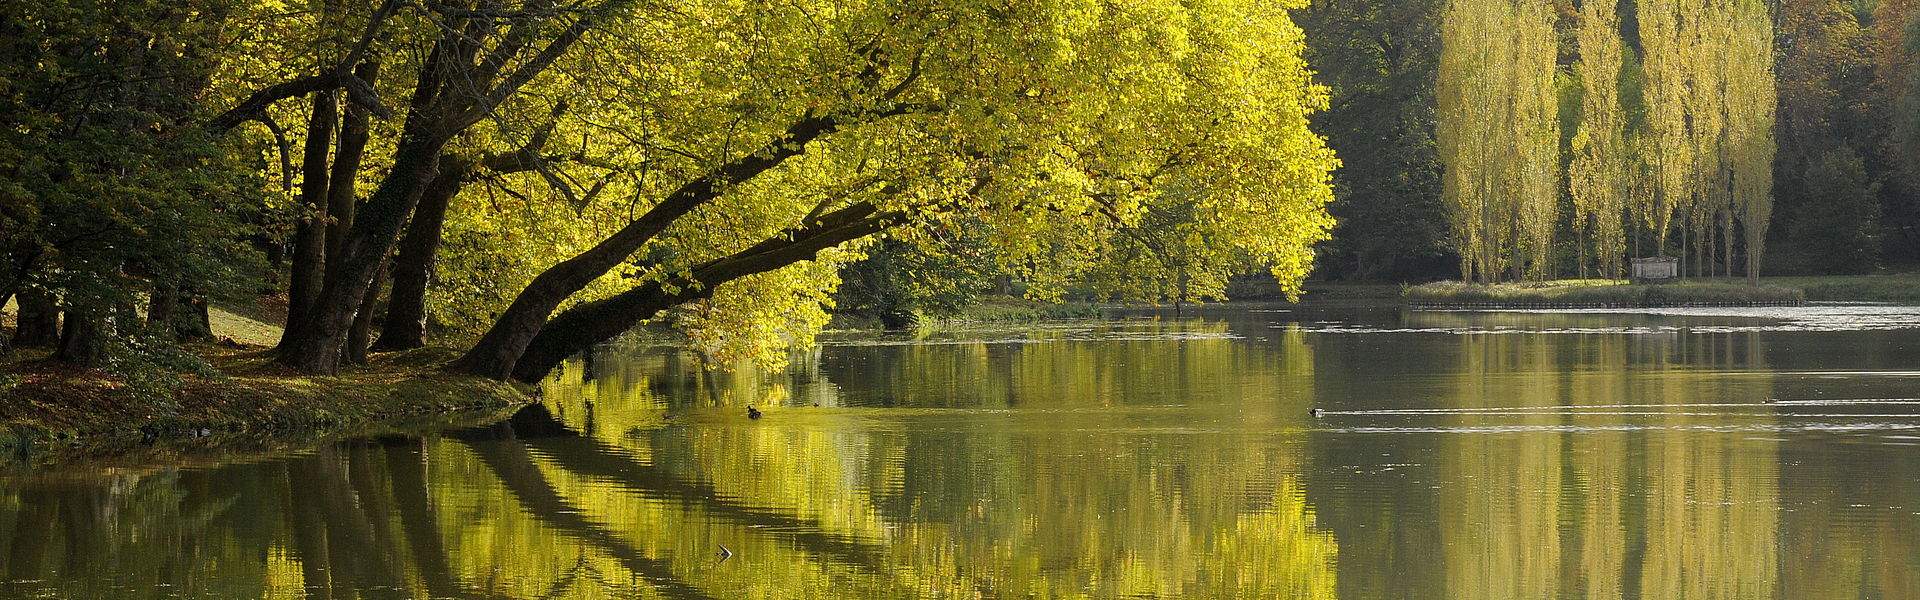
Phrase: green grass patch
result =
(1894, 287)
(1576, 293)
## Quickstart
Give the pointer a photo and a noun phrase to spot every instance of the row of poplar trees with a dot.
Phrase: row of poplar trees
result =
(1658, 140)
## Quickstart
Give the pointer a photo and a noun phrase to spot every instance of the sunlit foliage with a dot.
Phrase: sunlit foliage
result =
(1499, 135)
(1600, 175)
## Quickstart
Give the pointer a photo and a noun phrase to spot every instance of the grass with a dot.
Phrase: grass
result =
(1601, 293)
(1890, 287)
(49, 406)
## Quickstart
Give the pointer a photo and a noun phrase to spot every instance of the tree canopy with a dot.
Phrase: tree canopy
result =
(550, 174)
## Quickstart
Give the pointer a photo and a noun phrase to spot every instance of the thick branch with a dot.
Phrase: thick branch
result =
(592, 323)
(496, 352)
(255, 106)
(527, 71)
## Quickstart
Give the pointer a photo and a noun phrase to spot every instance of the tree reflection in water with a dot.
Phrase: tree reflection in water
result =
(1169, 458)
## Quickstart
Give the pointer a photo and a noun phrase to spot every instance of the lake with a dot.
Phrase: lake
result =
(1685, 453)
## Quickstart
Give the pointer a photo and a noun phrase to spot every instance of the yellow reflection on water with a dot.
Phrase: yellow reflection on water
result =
(1168, 458)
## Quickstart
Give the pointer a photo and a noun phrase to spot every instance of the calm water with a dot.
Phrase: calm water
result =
(1766, 453)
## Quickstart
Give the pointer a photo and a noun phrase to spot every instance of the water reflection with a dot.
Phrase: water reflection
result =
(1152, 456)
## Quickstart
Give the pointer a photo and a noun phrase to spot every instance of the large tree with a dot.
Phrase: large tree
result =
(108, 194)
(1056, 126)
(600, 162)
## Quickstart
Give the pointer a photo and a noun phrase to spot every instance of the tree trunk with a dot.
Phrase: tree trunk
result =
(361, 332)
(406, 324)
(345, 174)
(160, 305)
(451, 94)
(494, 355)
(83, 340)
(6, 342)
(316, 338)
(592, 323)
(310, 236)
(191, 322)
(38, 325)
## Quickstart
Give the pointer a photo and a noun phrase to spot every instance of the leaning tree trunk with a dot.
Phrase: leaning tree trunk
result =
(592, 323)
(38, 324)
(494, 355)
(362, 330)
(406, 325)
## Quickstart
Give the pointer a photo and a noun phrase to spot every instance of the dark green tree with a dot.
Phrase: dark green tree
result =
(1837, 228)
(108, 197)
(1380, 59)
(900, 283)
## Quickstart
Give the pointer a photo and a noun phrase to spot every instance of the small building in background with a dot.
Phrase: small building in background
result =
(1656, 270)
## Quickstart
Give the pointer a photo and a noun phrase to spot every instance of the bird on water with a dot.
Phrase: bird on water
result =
(753, 413)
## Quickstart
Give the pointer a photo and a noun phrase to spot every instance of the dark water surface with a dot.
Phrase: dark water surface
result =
(1730, 453)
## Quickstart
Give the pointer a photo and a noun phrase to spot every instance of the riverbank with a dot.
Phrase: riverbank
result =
(1899, 288)
(47, 406)
(1591, 293)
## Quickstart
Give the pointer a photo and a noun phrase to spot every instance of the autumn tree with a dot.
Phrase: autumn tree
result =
(1894, 92)
(1749, 147)
(1599, 176)
(1499, 135)
(1823, 70)
(883, 116)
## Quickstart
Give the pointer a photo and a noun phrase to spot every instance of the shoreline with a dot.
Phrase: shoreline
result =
(1599, 293)
(50, 413)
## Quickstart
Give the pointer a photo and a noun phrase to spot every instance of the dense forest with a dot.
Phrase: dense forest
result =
(528, 178)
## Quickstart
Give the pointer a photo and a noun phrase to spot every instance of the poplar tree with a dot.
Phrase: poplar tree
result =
(1600, 169)
(1498, 135)
(1670, 150)
(1709, 99)
(1750, 121)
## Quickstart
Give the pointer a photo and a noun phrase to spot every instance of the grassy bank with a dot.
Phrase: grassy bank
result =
(1893, 287)
(1600, 293)
(1264, 289)
(247, 401)
(49, 405)
(991, 309)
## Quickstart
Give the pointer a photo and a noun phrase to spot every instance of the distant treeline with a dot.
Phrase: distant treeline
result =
(1650, 172)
